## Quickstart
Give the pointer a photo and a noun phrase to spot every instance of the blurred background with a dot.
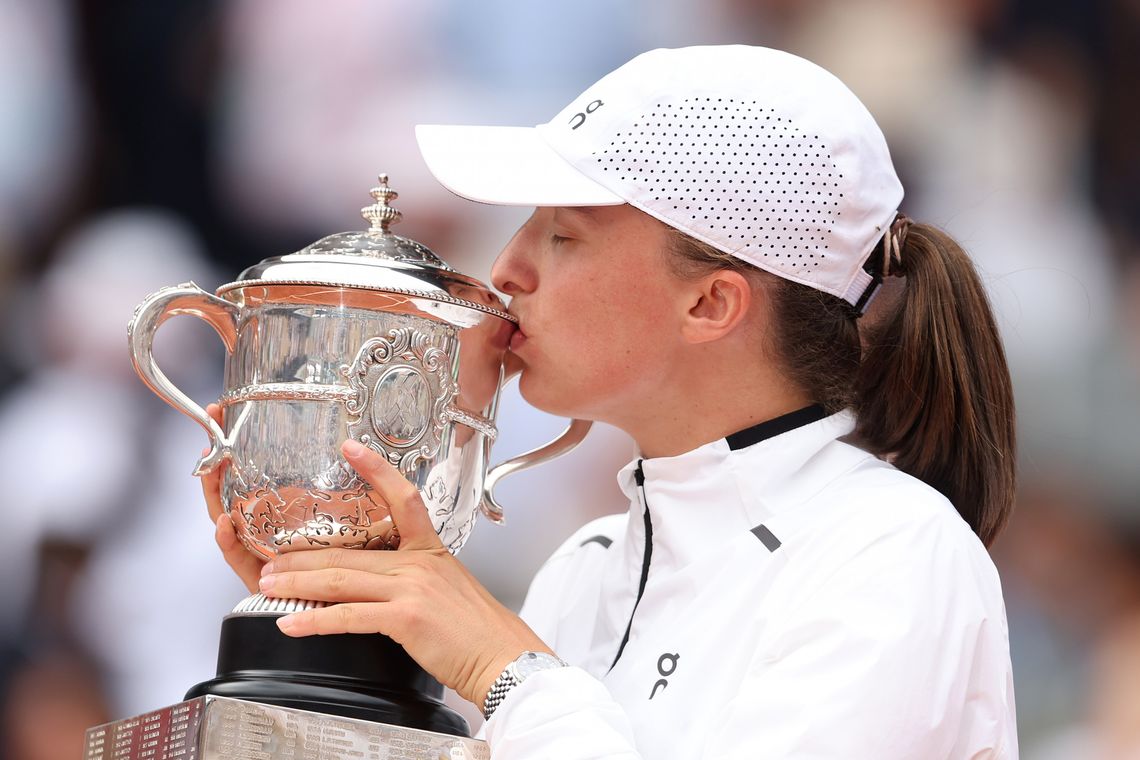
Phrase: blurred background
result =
(145, 144)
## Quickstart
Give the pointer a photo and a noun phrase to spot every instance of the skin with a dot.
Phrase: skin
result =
(608, 331)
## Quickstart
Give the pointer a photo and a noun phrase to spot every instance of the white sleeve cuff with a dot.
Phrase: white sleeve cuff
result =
(562, 713)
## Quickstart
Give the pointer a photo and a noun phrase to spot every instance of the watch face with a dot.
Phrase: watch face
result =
(532, 662)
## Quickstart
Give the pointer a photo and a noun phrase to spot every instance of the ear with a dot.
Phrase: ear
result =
(718, 303)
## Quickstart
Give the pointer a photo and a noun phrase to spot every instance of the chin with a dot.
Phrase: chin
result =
(551, 399)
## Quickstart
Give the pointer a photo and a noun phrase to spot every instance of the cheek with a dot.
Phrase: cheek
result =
(604, 328)
(614, 341)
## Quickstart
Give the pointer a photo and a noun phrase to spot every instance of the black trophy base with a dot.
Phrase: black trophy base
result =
(363, 676)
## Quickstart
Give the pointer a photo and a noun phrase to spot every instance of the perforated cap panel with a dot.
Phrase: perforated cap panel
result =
(736, 169)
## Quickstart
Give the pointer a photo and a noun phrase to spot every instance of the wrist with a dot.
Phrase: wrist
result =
(513, 674)
(483, 684)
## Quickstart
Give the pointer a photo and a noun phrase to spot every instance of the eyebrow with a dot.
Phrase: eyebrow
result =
(586, 211)
(580, 217)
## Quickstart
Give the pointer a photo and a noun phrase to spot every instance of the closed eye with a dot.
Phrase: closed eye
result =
(557, 239)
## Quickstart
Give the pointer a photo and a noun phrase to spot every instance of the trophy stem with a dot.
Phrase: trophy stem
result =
(364, 676)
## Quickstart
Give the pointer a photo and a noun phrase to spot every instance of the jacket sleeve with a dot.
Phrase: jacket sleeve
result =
(864, 665)
(563, 714)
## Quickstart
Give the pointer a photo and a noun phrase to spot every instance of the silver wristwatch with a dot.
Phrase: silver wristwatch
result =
(526, 665)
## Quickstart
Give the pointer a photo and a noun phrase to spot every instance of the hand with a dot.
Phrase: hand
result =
(418, 595)
(246, 565)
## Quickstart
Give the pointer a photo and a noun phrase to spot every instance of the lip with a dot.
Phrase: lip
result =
(518, 339)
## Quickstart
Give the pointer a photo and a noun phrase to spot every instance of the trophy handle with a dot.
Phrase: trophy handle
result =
(567, 440)
(159, 306)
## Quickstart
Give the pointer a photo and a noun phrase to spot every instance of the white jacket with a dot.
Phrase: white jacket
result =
(796, 598)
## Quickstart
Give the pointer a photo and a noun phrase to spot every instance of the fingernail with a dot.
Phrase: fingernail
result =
(352, 449)
(286, 622)
(267, 568)
(267, 582)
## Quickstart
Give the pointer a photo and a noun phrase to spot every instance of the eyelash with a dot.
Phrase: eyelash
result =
(558, 239)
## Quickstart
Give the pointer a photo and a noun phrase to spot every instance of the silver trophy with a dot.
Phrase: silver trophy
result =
(364, 335)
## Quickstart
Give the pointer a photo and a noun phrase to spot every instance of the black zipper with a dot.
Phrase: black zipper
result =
(639, 478)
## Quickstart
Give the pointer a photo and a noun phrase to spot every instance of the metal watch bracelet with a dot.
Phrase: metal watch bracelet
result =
(515, 673)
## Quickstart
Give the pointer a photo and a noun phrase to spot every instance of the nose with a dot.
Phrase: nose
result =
(513, 271)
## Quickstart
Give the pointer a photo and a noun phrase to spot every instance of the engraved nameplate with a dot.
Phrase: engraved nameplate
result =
(219, 728)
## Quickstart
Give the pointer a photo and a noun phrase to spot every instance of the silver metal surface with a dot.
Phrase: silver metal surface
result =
(380, 214)
(574, 434)
(363, 335)
(373, 259)
(218, 728)
(155, 309)
(260, 604)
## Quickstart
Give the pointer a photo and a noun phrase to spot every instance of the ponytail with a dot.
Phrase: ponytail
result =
(933, 393)
(928, 379)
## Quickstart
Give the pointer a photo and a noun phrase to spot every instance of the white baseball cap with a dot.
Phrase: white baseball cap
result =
(757, 152)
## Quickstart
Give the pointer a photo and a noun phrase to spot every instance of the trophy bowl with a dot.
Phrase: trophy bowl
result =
(363, 335)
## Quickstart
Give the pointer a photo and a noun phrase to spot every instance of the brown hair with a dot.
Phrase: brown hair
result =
(927, 379)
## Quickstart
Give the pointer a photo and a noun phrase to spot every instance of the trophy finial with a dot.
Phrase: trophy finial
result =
(380, 215)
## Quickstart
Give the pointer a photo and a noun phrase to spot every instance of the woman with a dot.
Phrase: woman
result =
(802, 571)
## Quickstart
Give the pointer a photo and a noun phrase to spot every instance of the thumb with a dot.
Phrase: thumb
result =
(409, 513)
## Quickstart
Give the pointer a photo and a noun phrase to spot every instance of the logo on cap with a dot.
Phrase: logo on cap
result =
(579, 118)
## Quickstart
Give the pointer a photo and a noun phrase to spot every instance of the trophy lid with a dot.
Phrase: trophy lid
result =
(374, 259)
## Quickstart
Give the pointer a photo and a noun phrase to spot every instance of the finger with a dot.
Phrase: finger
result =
(323, 559)
(212, 491)
(409, 513)
(331, 585)
(212, 480)
(361, 617)
(245, 565)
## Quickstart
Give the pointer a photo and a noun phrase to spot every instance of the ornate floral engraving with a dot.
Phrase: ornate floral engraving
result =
(437, 493)
(288, 519)
(287, 392)
(444, 506)
(474, 421)
(403, 388)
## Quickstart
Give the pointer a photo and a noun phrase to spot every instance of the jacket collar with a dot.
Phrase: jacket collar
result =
(774, 427)
(702, 498)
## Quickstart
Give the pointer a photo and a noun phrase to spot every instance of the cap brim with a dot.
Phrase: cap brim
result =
(509, 166)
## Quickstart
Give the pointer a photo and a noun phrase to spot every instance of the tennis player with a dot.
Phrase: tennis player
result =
(803, 568)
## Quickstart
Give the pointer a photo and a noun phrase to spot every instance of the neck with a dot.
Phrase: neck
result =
(705, 404)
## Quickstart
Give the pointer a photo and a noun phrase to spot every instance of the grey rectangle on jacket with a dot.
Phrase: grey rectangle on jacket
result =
(766, 537)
